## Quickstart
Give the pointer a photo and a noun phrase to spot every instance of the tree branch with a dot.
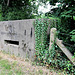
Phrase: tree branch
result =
(8, 2)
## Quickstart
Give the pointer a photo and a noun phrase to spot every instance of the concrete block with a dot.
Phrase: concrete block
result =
(17, 37)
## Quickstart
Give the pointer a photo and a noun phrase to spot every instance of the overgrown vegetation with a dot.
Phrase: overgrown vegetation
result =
(7, 68)
(41, 45)
(44, 56)
(65, 24)
(72, 35)
(11, 65)
(17, 9)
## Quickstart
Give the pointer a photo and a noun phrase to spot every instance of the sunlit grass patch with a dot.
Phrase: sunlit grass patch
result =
(5, 64)
(9, 68)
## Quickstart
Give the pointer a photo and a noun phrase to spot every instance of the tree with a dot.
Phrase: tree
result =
(66, 12)
(17, 9)
(66, 7)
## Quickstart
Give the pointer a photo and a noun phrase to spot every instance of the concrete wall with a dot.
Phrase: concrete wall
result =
(17, 37)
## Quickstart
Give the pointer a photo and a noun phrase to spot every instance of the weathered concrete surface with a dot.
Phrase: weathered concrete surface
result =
(17, 37)
(20, 31)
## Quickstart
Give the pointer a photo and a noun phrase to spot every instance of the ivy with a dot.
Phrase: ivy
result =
(53, 57)
(72, 35)
(43, 54)
(41, 45)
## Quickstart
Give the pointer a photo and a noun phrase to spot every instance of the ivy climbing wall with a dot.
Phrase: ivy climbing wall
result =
(17, 37)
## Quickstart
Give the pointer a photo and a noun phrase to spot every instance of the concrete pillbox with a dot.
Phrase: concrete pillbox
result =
(17, 37)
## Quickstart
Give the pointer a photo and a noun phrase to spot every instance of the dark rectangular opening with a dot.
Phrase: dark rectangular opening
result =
(12, 42)
(31, 32)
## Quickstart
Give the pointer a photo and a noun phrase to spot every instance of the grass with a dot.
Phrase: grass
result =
(7, 68)
(17, 66)
(13, 68)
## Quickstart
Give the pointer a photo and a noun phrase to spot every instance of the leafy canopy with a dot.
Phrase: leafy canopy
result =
(16, 9)
(66, 8)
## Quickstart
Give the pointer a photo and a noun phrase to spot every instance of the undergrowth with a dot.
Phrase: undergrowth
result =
(50, 58)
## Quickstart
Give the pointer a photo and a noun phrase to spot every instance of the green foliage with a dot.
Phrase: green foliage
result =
(66, 12)
(9, 68)
(0, 12)
(44, 56)
(64, 28)
(41, 38)
(72, 35)
(17, 9)
(66, 8)
(4, 63)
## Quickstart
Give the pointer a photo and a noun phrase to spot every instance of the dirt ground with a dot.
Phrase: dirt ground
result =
(27, 67)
